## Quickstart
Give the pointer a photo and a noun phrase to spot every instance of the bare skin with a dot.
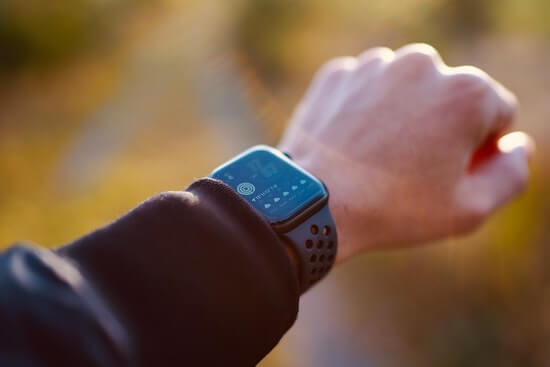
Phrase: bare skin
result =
(393, 136)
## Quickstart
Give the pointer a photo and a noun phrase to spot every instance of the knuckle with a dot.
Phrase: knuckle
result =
(337, 66)
(374, 58)
(418, 55)
(333, 71)
(423, 48)
(469, 93)
(468, 79)
(376, 53)
(418, 59)
(415, 62)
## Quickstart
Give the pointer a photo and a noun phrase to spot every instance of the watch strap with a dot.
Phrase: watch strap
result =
(315, 242)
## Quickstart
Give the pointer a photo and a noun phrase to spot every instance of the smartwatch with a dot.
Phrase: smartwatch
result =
(292, 200)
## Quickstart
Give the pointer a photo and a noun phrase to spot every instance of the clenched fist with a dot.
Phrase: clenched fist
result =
(410, 149)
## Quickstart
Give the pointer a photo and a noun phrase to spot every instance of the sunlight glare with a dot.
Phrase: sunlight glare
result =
(514, 140)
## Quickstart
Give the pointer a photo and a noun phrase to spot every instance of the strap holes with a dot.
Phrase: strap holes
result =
(326, 230)
(313, 258)
(309, 244)
(314, 229)
(320, 244)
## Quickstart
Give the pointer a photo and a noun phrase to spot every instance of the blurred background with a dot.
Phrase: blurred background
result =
(106, 102)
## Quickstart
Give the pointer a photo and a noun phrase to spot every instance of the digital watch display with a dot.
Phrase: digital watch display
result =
(291, 199)
(271, 183)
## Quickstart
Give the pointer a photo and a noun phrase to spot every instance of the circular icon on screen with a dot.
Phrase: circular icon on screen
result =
(246, 188)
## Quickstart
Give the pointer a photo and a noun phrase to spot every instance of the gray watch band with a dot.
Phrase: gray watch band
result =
(315, 241)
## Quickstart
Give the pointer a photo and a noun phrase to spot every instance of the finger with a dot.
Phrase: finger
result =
(495, 182)
(508, 101)
(506, 106)
(370, 63)
(336, 67)
(515, 140)
(419, 51)
(498, 106)
(377, 53)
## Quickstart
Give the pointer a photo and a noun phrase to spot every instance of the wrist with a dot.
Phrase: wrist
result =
(338, 207)
(315, 158)
(292, 201)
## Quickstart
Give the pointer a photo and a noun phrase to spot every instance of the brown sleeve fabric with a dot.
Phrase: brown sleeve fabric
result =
(194, 278)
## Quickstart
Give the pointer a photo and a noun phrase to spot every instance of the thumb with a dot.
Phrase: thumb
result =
(503, 176)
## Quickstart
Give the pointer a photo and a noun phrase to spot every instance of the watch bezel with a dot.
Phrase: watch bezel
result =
(287, 224)
(301, 215)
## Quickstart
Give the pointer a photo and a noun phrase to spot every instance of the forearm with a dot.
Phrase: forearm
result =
(184, 274)
(201, 264)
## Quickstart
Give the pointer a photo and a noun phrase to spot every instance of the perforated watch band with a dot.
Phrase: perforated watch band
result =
(315, 241)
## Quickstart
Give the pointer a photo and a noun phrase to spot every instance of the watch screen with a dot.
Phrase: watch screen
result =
(271, 183)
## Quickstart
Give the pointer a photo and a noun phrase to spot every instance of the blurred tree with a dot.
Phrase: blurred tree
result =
(33, 32)
(465, 18)
(261, 29)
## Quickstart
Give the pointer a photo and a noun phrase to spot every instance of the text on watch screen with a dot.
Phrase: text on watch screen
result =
(274, 187)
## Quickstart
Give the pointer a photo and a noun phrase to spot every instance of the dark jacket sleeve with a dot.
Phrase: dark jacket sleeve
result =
(192, 278)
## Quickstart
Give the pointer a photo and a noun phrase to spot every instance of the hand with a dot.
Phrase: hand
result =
(394, 135)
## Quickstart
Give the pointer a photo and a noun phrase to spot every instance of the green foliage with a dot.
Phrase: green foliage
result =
(465, 18)
(35, 32)
(38, 31)
(263, 26)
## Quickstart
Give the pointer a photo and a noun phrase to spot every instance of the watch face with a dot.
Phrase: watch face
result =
(271, 182)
